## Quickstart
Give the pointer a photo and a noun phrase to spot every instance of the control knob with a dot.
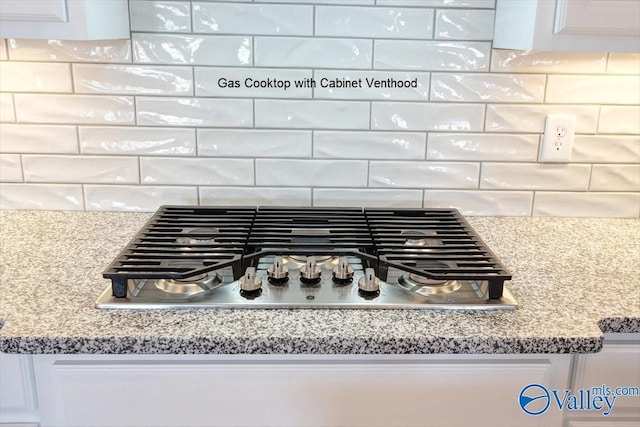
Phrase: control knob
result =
(369, 284)
(310, 272)
(343, 272)
(278, 272)
(250, 282)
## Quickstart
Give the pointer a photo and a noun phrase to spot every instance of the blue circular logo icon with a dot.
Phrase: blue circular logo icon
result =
(534, 399)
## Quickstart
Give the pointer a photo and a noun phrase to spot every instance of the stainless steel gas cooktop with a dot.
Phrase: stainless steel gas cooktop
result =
(213, 257)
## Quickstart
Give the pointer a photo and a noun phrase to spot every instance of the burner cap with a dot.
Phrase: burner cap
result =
(421, 238)
(198, 236)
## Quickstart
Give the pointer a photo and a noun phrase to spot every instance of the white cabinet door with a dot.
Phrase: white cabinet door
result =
(64, 19)
(568, 25)
(17, 393)
(192, 391)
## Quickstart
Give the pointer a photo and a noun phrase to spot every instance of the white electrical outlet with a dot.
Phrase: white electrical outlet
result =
(557, 141)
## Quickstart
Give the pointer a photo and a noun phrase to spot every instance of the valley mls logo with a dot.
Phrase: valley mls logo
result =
(535, 399)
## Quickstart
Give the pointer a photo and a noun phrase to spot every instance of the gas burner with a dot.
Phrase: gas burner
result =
(198, 236)
(426, 286)
(188, 286)
(421, 238)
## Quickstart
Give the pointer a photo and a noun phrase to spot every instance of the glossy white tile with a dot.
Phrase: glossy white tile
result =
(263, 19)
(194, 112)
(10, 168)
(74, 109)
(253, 143)
(312, 114)
(161, 16)
(7, 112)
(419, 116)
(423, 174)
(341, 2)
(615, 178)
(606, 149)
(358, 197)
(137, 198)
(24, 138)
(69, 50)
(470, 24)
(35, 77)
(80, 169)
(530, 118)
(575, 89)
(431, 55)
(255, 196)
(312, 52)
(3, 50)
(527, 61)
(623, 205)
(137, 140)
(201, 171)
(482, 147)
(486, 203)
(487, 87)
(371, 85)
(369, 145)
(374, 22)
(132, 79)
(191, 49)
(252, 82)
(63, 197)
(621, 120)
(535, 176)
(315, 173)
(624, 63)
(439, 3)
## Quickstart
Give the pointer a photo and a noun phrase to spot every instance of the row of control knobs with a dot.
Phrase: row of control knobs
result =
(278, 273)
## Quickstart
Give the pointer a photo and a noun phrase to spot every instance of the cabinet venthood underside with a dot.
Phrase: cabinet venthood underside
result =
(267, 257)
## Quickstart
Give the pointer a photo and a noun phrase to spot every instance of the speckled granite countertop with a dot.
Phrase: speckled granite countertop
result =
(574, 279)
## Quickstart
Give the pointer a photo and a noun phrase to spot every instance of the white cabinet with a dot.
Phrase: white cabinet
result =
(17, 394)
(64, 19)
(285, 391)
(568, 25)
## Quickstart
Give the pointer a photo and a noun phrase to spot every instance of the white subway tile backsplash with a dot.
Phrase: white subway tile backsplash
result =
(7, 112)
(369, 145)
(253, 143)
(24, 138)
(70, 50)
(191, 49)
(341, 2)
(440, 3)
(194, 112)
(201, 171)
(65, 197)
(535, 176)
(255, 196)
(431, 55)
(530, 118)
(464, 24)
(312, 114)
(72, 109)
(593, 89)
(496, 203)
(132, 79)
(251, 82)
(10, 168)
(624, 63)
(343, 197)
(137, 198)
(162, 16)
(606, 149)
(421, 116)
(527, 61)
(80, 169)
(615, 178)
(374, 85)
(263, 19)
(482, 146)
(423, 174)
(487, 87)
(622, 120)
(137, 140)
(35, 77)
(312, 52)
(314, 173)
(375, 22)
(623, 205)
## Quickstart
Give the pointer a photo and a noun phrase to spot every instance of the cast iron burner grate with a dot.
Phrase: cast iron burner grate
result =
(181, 242)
